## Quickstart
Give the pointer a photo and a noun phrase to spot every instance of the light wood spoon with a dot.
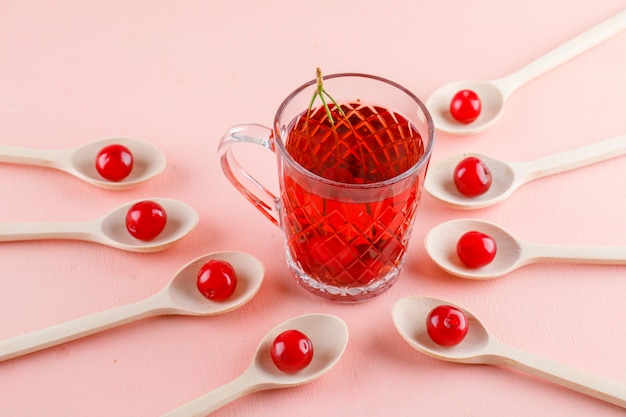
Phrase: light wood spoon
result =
(329, 336)
(479, 347)
(110, 229)
(511, 253)
(508, 176)
(80, 161)
(179, 297)
(493, 94)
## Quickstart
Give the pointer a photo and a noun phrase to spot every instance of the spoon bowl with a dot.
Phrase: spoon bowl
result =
(491, 97)
(186, 298)
(409, 317)
(181, 220)
(511, 252)
(80, 161)
(441, 241)
(148, 162)
(440, 182)
(329, 336)
(179, 297)
(480, 347)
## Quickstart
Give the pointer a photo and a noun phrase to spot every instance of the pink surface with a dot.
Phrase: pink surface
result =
(178, 74)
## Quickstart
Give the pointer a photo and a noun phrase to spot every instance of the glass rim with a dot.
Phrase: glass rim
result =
(417, 167)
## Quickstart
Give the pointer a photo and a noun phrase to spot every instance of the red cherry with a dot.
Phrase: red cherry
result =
(465, 106)
(217, 280)
(447, 325)
(114, 162)
(476, 249)
(292, 351)
(146, 220)
(472, 177)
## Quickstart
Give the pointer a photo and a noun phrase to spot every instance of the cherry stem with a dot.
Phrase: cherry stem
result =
(323, 94)
(325, 97)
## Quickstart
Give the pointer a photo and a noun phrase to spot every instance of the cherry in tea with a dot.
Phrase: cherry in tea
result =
(349, 238)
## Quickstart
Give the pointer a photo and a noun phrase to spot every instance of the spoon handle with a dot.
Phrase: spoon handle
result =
(612, 255)
(563, 53)
(576, 158)
(219, 397)
(77, 328)
(11, 232)
(40, 157)
(577, 380)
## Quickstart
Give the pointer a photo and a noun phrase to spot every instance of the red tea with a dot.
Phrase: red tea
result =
(343, 240)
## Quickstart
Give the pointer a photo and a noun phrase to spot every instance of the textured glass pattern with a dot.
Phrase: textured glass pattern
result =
(337, 241)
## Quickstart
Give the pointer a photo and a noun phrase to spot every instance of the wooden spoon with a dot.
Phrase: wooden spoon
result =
(110, 229)
(179, 297)
(479, 347)
(511, 253)
(493, 94)
(80, 161)
(509, 176)
(329, 336)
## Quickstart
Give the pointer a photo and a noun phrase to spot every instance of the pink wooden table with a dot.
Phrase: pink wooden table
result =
(178, 74)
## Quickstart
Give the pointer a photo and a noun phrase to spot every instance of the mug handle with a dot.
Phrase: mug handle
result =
(263, 199)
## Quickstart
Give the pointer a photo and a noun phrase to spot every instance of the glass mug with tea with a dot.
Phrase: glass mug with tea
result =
(352, 151)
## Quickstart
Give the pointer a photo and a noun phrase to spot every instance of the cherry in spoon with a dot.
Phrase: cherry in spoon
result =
(512, 253)
(509, 176)
(329, 336)
(80, 161)
(480, 347)
(493, 94)
(110, 229)
(179, 297)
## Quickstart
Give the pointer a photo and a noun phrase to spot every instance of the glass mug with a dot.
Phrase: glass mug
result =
(350, 181)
